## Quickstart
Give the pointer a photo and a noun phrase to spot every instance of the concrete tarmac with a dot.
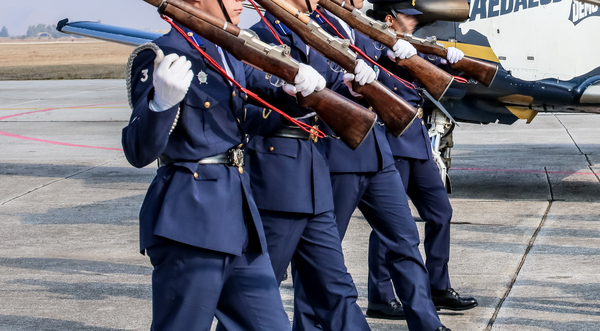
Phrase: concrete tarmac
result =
(525, 234)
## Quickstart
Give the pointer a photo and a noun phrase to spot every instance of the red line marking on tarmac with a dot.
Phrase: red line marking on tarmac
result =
(56, 142)
(526, 171)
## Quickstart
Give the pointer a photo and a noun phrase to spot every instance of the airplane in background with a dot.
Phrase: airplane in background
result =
(547, 60)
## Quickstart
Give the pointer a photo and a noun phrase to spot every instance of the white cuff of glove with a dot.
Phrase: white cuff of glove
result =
(155, 107)
(348, 78)
(454, 54)
(307, 81)
(363, 73)
(402, 50)
(171, 81)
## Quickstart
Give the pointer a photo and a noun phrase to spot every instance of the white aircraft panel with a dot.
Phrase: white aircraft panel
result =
(538, 39)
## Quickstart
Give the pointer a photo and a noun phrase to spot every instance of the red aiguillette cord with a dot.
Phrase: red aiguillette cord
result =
(356, 49)
(222, 71)
(266, 22)
(460, 79)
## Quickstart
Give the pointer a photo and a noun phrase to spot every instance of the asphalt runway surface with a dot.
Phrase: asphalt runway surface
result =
(525, 234)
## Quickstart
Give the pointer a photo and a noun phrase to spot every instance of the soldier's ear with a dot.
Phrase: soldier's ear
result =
(389, 19)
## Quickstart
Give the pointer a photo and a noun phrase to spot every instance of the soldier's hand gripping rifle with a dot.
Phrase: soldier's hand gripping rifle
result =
(481, 71)
(350, 121)
(396, 113)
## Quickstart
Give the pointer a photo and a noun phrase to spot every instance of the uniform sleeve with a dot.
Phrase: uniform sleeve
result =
(145, 138)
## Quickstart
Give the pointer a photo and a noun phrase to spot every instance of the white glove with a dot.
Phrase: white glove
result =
(363, 73)
(171, 81)
(307, 81)
(348, 78)
(454, 54)
(402, 50)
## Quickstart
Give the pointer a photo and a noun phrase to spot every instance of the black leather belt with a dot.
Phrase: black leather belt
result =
(233, 157)
(293, 132)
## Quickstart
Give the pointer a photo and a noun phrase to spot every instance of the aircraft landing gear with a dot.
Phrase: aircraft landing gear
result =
(440, 133)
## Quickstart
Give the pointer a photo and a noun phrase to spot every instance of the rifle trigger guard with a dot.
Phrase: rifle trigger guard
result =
(278, 83)
(334, 66)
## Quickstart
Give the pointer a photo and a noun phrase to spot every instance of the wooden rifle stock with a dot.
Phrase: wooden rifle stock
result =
(396, 113)
(479, 70)
(350, 121)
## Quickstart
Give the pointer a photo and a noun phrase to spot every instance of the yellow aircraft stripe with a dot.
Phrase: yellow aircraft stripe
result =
(481, 52)
(523, 113)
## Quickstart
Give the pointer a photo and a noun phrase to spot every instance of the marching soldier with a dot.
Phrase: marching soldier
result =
(199, 223)
(291, 186)
(366, 178)
(420, 178)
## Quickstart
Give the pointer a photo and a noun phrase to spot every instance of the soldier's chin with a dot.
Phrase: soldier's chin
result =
(235, 17)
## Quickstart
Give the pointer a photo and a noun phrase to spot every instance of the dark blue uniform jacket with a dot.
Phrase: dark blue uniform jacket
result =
(207, 206)
(290, 175)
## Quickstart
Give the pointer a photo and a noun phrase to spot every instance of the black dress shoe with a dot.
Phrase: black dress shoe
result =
(392, 310)
(449, 299)
(442, 328)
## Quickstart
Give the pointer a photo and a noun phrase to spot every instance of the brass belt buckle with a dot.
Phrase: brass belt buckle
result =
(313, 134)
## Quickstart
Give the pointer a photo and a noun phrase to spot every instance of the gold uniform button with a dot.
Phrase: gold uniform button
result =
(241, 170)
(196, 175)
(375, 57)
(395, 89)
(422, 123)
(316, 118)
(277, 22)
(240, 145)
(190, 34)
(246, 96)
(318, 16)
(233, 94)
(207, 104)
(271, 149)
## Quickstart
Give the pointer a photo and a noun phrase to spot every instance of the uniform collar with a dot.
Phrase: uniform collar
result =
(279, 27)
(195, 38)
(316, 17)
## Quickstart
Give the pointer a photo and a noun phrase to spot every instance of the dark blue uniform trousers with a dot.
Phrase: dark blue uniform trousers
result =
(426, 190)
(313, 245)
(386, 209)
(191, 285)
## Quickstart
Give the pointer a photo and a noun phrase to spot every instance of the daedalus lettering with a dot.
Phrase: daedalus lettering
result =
(483, 9)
